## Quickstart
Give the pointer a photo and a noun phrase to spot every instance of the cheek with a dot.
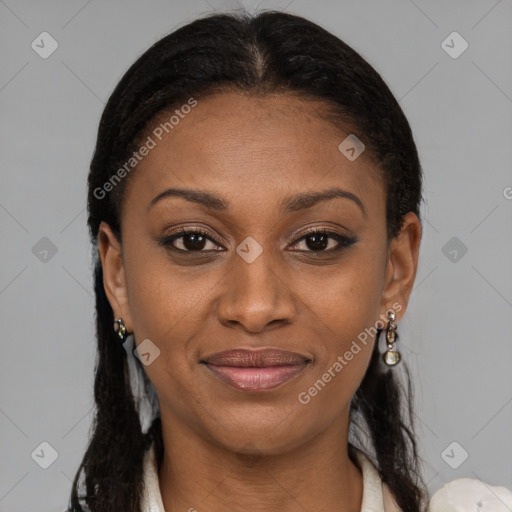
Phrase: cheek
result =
(171, 307)
(346, 298)
(345, 312)
(163, 297)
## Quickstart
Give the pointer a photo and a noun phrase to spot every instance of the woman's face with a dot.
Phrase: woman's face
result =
(253, 280)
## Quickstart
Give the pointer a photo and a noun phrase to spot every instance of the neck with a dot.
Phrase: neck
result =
(197, 474)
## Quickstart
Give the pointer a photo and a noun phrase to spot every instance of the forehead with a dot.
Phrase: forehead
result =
(250, 148)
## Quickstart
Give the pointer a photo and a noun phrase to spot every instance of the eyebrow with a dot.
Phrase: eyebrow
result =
(294, 203)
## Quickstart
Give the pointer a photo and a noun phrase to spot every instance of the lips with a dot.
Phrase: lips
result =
(256, 370)
(256, 358)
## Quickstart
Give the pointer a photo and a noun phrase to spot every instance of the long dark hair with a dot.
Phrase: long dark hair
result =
(271, 52)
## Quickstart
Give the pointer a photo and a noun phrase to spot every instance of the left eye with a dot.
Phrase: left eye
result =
(194, 240)
(317, 240)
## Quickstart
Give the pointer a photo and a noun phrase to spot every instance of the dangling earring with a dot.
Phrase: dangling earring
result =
(120, 328)
(391, 356)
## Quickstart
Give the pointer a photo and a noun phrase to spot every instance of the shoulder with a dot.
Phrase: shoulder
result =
(465, 494)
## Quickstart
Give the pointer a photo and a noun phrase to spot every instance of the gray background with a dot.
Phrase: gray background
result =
(456, 333)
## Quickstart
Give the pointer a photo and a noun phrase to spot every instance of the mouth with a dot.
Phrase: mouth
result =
(256, 370)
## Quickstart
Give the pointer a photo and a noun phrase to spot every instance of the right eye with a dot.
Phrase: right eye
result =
(192, 240)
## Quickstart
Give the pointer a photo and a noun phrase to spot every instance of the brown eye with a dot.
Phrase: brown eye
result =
(192, 240)
(318, 240)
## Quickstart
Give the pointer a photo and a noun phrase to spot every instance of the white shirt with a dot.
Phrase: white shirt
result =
(460, 495)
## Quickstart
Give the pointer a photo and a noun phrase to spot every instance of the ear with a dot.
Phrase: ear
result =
(114, 280)
(402, 265)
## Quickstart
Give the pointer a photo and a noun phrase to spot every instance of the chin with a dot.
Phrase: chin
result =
(272, 438)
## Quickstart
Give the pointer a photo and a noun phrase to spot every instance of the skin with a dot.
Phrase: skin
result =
(227, 449)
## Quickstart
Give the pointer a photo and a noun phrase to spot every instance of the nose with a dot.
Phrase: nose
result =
(256, 295)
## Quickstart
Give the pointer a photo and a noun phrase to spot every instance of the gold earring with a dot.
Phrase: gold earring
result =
(391, 356)
(120, 328)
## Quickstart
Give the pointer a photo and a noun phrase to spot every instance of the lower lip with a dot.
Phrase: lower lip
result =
(255, 379)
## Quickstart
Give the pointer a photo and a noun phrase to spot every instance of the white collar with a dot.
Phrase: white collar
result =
(375, 492)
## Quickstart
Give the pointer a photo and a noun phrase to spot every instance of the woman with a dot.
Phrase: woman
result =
(254, 204)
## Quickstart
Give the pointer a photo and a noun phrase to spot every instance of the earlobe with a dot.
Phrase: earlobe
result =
(114, 280)
(402, 265)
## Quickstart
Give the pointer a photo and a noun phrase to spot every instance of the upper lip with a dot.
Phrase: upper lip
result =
(256, 358)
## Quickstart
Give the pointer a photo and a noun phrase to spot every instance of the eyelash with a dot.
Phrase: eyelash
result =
(343, 241)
